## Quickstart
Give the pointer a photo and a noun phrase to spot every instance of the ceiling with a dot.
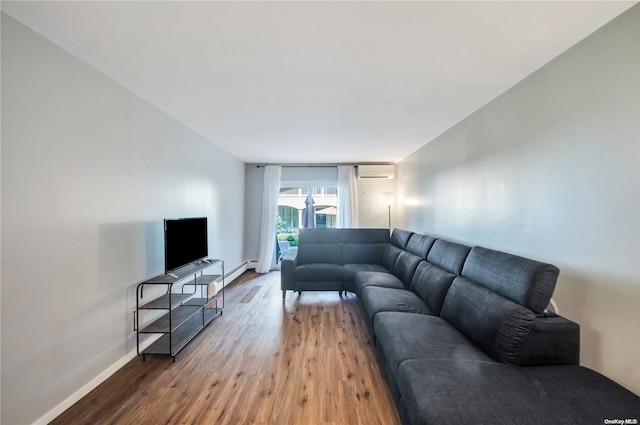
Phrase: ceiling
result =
(314, 82)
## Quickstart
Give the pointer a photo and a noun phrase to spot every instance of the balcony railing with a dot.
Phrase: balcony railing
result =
(302, 192)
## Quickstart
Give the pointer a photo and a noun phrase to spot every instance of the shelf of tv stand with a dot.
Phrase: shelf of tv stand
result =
(205, 279)
(186, 314)
(181, 337)
(201, 302)
(177, 317)
(182, 273)
(165, 302)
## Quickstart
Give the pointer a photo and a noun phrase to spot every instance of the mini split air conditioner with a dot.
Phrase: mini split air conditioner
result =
(376, 171)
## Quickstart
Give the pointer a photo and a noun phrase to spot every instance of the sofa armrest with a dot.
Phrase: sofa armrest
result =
(553, 340)
(287, 270)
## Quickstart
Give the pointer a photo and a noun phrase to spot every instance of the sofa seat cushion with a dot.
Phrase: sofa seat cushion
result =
(384, 279)
(410, 336)
(351, 269)
(470, 393)
(319, 272)
(375, 299)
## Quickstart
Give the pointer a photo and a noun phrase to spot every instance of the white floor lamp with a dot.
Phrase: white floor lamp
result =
(388, 201)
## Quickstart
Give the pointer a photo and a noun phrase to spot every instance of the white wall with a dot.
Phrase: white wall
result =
(372, 208)
(89, 170)
(551, 170)
(303, 176)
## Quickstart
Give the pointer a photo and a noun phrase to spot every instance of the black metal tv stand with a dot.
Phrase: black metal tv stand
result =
(181, 312)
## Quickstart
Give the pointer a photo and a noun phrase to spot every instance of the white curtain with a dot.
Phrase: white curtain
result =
(270, 195)
(347, 197)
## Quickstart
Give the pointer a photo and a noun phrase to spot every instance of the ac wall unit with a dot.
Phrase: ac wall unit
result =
(376, 171)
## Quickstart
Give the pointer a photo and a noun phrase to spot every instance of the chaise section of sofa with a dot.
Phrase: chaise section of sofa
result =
(451, 391)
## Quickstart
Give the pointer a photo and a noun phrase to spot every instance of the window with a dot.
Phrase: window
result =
(292, 208)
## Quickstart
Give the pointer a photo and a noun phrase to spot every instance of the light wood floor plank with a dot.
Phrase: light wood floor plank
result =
(305, 360)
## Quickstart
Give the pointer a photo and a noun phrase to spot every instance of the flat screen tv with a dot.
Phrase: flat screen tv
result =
(185, 241)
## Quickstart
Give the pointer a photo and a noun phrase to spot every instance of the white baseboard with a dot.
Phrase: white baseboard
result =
(88, 387)
(105, 374)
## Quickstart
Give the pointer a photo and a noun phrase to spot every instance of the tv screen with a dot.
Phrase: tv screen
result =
(185, 241)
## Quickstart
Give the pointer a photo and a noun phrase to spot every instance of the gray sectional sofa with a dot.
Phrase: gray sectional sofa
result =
(463, 332)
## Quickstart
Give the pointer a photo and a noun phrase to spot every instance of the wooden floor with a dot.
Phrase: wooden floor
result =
(304, 361)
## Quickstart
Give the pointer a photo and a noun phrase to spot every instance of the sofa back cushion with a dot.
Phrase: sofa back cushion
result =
(494, 323)
(390, 256)
(527, 282)
(400, 238)
(420, 245)
(363, 245)
(431, 283)
(448, 255)
(405, 266)
(319, 246)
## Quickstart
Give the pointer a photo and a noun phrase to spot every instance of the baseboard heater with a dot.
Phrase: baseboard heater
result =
(229, 273)
(230, 276)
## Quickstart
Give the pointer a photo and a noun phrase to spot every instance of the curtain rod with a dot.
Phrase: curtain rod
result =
(304, 165)
(322, 165)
